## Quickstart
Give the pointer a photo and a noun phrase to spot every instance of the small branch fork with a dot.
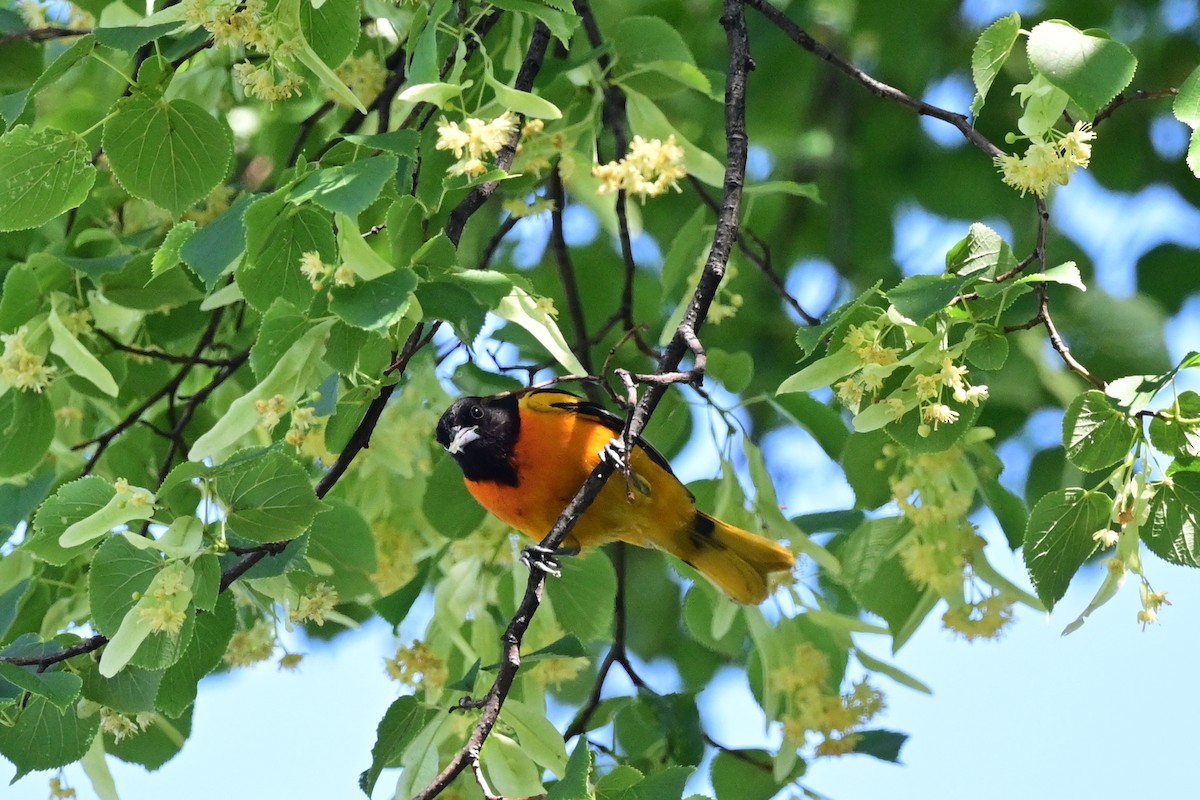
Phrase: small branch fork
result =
(714, 270)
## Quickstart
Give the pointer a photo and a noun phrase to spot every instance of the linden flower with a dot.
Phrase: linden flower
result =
(475, 141)
(1076, 146)
(417, 666)
(271, 410)
(649, 169)
(313, 269)
(1107, 537)
(20, 368)
(251, 646)
(938, 413)
(315, 604)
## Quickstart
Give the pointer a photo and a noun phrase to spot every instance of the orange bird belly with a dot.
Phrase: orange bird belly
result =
(554, 455)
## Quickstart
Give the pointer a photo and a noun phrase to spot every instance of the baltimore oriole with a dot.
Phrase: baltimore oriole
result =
(525, 458)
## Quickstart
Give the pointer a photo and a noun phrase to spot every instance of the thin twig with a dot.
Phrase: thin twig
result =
(875, 86)
(1133, 97)
(566, 270)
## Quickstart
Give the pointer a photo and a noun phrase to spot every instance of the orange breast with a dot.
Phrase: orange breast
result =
(554, 455)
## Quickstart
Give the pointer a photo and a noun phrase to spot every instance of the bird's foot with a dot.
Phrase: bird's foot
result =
(535, 556)
(614, 453)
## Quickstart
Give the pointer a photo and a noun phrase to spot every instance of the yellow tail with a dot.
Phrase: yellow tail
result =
(737, 561)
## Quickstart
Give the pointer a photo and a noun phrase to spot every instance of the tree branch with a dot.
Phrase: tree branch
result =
(714, 270)
(875, 86)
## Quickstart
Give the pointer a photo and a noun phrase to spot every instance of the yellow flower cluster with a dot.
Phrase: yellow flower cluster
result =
(270, 411)
(934, 492)
(1151, 603)
(304, 420)
(250, 646)
(364, 75)
(1048, 164)
(930, 390)
(315, 604)
(60, 791)
(318, 272)
(417, 666)
(557, 671)
(120, 726)
(983, 619)
(251, 24)
(810, 708)
(22, 369)
(164, 609)
(649, 169)
(475, 142)
(395, 550)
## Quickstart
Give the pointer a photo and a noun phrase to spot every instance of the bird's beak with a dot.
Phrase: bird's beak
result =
(461, 438)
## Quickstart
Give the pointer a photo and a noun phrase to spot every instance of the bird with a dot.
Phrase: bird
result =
(525, 456)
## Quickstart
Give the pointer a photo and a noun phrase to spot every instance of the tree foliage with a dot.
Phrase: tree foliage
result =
(245, 240)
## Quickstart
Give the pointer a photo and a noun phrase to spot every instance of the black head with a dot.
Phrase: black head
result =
(481, 432)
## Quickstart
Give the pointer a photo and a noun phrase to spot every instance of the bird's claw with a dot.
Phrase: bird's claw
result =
(535, 556)
(614, 453)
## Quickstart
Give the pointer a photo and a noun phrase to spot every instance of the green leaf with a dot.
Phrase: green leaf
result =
(72, 502)
(437, 93)
(583, 597)
(177, 691)
(170, 152)
(13, 105)
(640, 41)
(291, 376)
(747, 775)
(401, 723)
(328, 78)
(215, 247)
(60, 688)
(1009, 509)
(920, 296)
(575, 784)
(45, 173)
(376, 304)
(167, 255)
(26, 430)
(278, 236)
(823, 372)
(163, 738)
(523, 102)
(1066, 273)
(120, 574)
(1059, 538)
(810, 337)
(1186, 106)
(619, 784)
(1176, 438)
(45, 737)
(1096, 434)
(1091, 69)
(343, 543)
(539, 739)
(884, 745)
(822, 421)
(1171, 529)
(982, 253)
(347, 189)
(908, 429)
(77, 357)
(520, 308)
(122, 507)
(131, 37)
(989, 350)
(992, 49)
(511, 772)
(267, 496)
(1193, 153)
(809, 191)
(332, 28)
(395, 606)
(282, 325)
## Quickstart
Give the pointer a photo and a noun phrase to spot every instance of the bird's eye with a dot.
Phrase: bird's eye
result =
(476, 412)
